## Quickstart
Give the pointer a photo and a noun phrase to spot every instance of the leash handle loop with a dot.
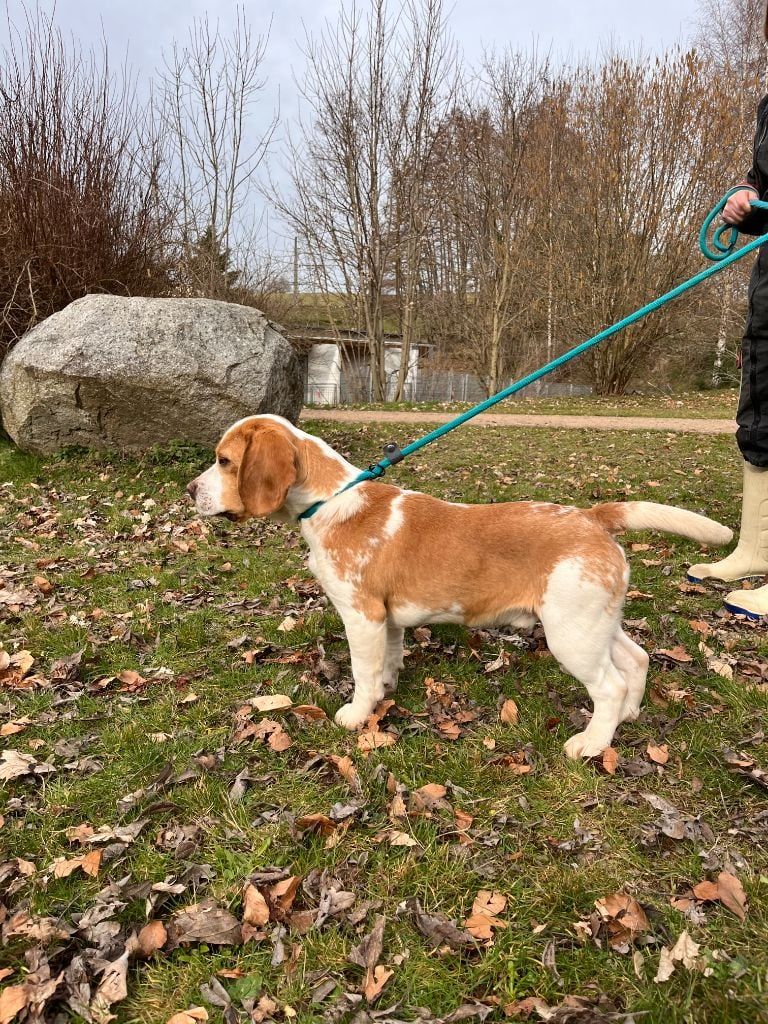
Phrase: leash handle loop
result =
(725, 236)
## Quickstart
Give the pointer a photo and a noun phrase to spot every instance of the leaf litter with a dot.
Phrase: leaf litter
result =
(102, 933)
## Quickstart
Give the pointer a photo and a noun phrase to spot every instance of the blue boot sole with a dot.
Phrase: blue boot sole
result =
(735, 610)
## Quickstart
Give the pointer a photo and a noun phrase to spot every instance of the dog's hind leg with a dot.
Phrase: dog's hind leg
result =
(608, 690)
(580, 619)
(393, 661)
(632, 661)
(368, 648)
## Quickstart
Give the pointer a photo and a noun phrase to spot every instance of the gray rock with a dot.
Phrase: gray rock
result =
(128, 373)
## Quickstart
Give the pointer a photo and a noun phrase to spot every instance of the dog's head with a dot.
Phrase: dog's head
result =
(256, 464)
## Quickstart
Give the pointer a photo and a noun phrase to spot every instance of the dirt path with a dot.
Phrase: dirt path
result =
(675, 426)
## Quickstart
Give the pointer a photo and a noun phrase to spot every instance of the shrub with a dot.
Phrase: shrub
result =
(80, 207)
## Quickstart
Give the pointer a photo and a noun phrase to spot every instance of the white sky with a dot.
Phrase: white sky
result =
(141, 29)
(146, 26)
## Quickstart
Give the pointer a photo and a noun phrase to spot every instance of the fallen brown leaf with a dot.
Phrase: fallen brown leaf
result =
(204, 922)
(516, 762)
(80, 833)
(318, 823)
(152, 937)
(112, 989)
(191, 1016)
(678, 654)
(700, 626)
(283, 893)
(463, 819)
(438, 928)
(610, 760)
(345, 766)
(483, 919)
(366, 955)
(706, 891)
(684, 951)
(272, 702)
(369, 740)
(487, 902)
(509, 713)
(14, 764)
(13, 728)
(14, 668)
(310, 712)
(731, 894)
(255, 907)
(89, 864)
(660, 754)
(625, 918)
(13, 999)
(399, 838)
(377, 982)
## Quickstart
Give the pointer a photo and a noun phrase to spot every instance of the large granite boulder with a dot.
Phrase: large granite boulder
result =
(128, 373)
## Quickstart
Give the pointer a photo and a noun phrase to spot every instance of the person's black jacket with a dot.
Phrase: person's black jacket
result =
(757, 176)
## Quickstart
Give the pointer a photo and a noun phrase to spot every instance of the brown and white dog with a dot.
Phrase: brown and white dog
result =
(390, 558)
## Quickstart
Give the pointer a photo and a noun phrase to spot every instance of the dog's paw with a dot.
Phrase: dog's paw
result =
(629, 712)
(583, 745)
(390, 684)
(350, 717)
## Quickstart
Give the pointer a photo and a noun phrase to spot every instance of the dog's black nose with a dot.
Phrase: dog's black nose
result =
(192, 489)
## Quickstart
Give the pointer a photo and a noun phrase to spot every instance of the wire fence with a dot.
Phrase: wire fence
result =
(430, 386)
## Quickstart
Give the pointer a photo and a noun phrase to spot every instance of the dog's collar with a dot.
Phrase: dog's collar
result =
(367, 474)
(392, 455)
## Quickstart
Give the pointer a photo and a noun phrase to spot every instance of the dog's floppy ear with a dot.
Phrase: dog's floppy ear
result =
(267, 470)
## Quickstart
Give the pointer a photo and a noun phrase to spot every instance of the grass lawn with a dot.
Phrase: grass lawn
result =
(150, 775)
(698, 405)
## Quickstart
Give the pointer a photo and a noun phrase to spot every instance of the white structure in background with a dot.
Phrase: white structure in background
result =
(337, 371)
(323, 382)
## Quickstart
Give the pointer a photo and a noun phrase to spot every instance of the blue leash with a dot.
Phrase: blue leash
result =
(723, 254)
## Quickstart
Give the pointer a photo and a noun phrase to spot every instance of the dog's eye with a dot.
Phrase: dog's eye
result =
(223, 462)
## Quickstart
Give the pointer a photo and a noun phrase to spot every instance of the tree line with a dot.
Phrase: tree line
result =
(501, 212)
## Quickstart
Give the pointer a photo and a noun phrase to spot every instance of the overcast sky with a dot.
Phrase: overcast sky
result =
(145, 27)
(142, 29)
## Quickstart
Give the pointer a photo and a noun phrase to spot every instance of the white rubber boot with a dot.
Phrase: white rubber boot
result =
(752, 603)
(750, 557)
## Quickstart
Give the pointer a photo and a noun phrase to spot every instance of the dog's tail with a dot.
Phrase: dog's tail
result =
(618, 516)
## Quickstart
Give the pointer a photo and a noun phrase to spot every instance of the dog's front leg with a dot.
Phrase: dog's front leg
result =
(394, 657)
(368, 647)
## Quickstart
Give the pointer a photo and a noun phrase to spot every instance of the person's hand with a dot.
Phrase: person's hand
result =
(737, 207)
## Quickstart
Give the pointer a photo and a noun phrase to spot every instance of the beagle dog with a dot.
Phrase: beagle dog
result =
(389, 558)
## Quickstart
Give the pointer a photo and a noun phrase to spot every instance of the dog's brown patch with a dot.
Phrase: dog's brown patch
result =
(484, 559)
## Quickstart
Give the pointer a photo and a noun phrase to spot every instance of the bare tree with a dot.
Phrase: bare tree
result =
(80, 204)
(729, 35)
(209, 92)
(426, 87)
(650, 149)
(337, 162)
(375, 87)
(447, 249)
(551, 175)
(487, 178)
(498, 158)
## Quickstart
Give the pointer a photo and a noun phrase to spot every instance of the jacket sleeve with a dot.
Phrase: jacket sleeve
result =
(756, 223)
